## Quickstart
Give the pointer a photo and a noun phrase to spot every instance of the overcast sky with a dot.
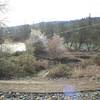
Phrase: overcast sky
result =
(33, 11)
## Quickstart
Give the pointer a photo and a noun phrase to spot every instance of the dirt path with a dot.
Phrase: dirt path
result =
(47, 85)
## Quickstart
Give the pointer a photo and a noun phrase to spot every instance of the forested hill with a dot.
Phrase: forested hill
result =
(16, 33)
(61, 26)
(78, 34)
(22, 32)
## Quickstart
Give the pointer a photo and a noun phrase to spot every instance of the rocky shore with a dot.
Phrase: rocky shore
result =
(49, 90)
(83, 95)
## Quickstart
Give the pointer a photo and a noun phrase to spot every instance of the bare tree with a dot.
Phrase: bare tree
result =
(3, 9)
(56, 46)
(3, 5)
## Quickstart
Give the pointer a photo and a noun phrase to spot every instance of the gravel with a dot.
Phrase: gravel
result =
(83, 95)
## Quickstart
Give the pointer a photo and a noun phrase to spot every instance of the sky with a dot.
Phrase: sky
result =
(34, 11)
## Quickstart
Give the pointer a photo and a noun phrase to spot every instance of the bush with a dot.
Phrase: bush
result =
(18, 66)
(42, 64)
(25, 65)
(97, 59)
(60, 70)
(7, 69)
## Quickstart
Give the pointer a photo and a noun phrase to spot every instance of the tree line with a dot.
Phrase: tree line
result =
(80, 34)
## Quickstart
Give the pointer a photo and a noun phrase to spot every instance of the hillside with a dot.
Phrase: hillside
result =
(16, 33)
(22, 32)
(61, 26)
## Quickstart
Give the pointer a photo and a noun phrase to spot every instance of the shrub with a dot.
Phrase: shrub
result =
(7, 68)
(42, 64)
(97, 59)
(56, 46)
(18, 66)
(60, 70)
(25, 65)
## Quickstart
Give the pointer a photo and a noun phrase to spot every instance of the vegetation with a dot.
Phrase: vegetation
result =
(18, 65)
(16, 33)
(52, 46)
(55, 46)
(59, 71)
(3, 5)
(97, 59)
(78, 34)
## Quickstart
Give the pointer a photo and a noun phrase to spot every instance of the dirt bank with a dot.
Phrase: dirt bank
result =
(48, 85)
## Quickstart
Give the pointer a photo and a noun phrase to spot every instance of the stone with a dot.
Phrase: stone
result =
(2, 97)
(37, 98)
(49, 98)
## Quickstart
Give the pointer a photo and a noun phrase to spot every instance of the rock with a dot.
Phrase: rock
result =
(2, 97)
(37, 98)
(54, 97)
(49, 98)
(91, 95)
